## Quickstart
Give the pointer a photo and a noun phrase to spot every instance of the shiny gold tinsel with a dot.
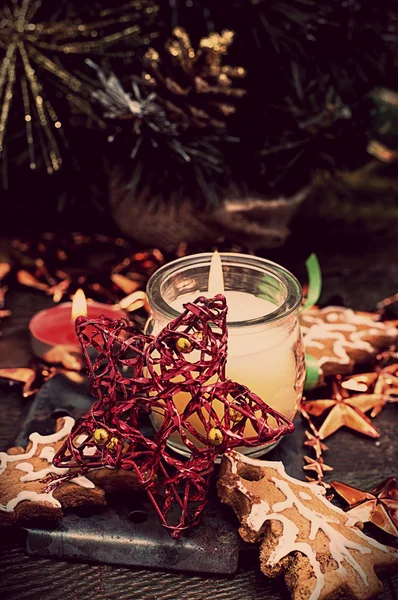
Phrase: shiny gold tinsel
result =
(198, 77)
(29, 47)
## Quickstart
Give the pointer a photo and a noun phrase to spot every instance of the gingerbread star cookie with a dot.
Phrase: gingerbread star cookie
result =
(317, 547)
(25, 476)
(339, 338)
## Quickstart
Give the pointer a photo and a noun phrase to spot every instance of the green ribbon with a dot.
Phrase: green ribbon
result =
(314, 281)
(312, 374)
(266, 287)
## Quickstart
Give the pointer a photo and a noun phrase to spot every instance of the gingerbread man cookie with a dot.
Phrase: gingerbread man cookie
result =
(339, 338)
(24, 479)
(318, 548)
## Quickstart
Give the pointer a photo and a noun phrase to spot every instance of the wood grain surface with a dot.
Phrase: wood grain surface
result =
(356, 460)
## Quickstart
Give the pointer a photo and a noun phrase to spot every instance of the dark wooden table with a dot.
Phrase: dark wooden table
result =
(359, 280)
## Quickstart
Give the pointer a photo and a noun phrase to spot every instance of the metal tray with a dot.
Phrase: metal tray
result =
(127, 531)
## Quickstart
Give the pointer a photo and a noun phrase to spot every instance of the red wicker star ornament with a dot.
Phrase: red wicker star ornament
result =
(131, 373)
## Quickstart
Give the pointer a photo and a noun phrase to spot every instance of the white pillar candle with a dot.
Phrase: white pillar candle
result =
(268, 358)
(261, 357)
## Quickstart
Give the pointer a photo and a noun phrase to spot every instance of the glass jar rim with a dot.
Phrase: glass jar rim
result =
(289, 305)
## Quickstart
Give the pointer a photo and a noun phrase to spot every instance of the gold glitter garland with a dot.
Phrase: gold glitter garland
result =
(28, 44)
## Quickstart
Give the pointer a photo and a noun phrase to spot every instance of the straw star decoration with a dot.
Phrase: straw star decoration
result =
(360, 383)
(316, 443)
(317, 465)
(379, 506)
(345, 410)
(383, 384)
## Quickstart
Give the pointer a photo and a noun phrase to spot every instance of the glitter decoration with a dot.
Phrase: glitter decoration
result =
(32, 53)
(30, 377)
(314, 441)
(350, 399)
(317, 464)
(381, 384)
(345, 410)
(131, 373)
(379, 506)
(58, 266)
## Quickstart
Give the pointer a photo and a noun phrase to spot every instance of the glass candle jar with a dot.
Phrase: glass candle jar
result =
(265, 349)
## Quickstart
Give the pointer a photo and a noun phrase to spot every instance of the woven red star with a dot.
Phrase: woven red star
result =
(131, 373)
(379, 506)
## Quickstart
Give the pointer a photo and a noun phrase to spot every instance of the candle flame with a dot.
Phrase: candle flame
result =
(79, 305)
(216, 278)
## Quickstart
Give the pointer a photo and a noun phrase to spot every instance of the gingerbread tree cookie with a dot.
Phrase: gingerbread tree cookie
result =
(315, 545)
(25, 474)
(339, 338)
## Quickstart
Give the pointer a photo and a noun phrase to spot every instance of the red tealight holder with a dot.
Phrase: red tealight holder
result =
(55, 326)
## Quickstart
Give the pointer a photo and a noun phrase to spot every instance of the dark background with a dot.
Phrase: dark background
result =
(312, 68)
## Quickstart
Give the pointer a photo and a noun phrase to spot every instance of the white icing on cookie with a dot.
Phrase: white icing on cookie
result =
(315, 488)
(32, 497)
(374, 542)
(315, 329)
(318, 332)
(33, 475)
(255, 519)
(25, 466)
(305, 496)
(261, 512)
(80, 439)
(82, 481)
(47, 453)
(339, 544)
(89, 451)
(234, 457)
(37, 439)
(287, 543)
(332, 317)
(259, 515)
